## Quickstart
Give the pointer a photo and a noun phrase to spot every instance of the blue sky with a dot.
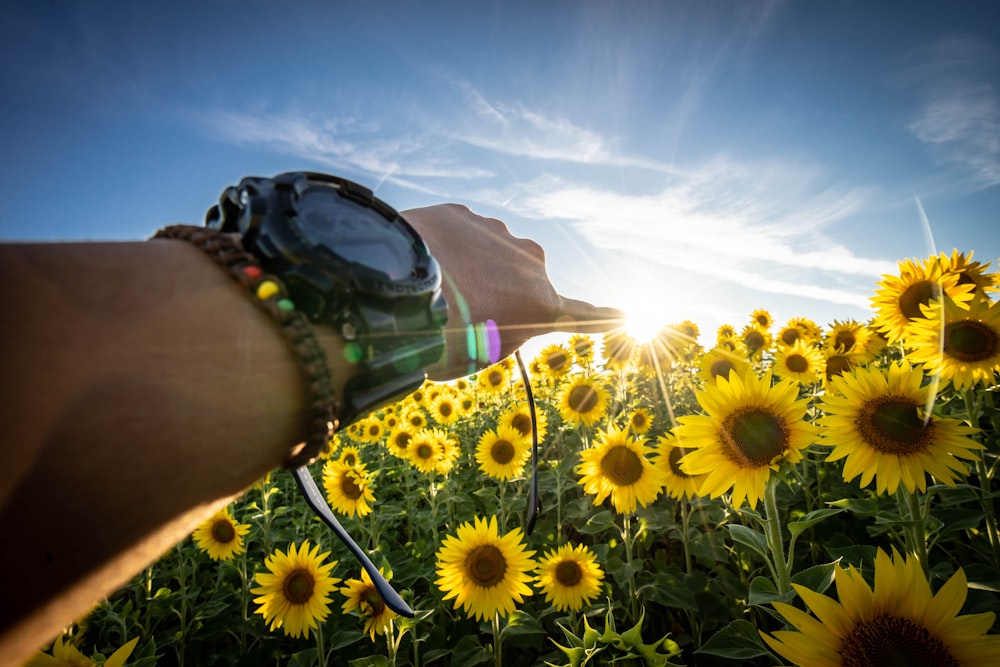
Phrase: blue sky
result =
(696, 159)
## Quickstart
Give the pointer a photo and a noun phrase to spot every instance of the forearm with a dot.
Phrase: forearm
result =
(141, 388)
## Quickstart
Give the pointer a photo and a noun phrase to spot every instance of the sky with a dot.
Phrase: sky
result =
(683, 160)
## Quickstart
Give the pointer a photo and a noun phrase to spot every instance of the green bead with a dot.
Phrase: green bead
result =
(286, 305)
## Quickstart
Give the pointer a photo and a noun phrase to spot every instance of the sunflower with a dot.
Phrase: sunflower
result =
(372, 429)
(348, 488)
(444, 408)
(640, 421)
(619, 347)
(64, 654)
(755, 340)
(221, 537)
(363, 598)
(493, 379)
(502, 453)
(556, 360)
(898, 298)
(582, 347)
(399, 440)
(720, 362)
(432, 450)
(876, 420)
(962, 346)
(414, 418)
(295, 592)
(349, 455)
(583, 400)
(725, 332)
(487, 573)
(837, 364)
(761, 319)
(849, 337)
(970, 272)
(570, 577)
(519, 417)
(750, 429)
(618, 466)
(800, 362)
(678, 484)
(900, 622)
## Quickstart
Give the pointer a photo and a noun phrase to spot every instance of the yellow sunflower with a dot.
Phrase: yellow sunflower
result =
(791, 332)
(837, 364)
(761, 319)
(372, 429)
(725, 332)
(221, 537)
(445, 408)
(519, 417)
(364, 599)
(582, 347)
(720, 362)
(619, 348)
(676, 481)
(295, 592)
(755, 340)
(570, 577)
(849, 337)
(64, 654)
(800, 362)
(970, 272)
(494, 379)
(399, 440)
(961, 345)
(749, 430)
(898, 299)
(349, 455)
(414, 418)
(502, 453)
(487, 573)
(348, 488)
(900, 622)
(555, 360)
(618, 466)
(640, 421)
(876, 420)
(583, 400)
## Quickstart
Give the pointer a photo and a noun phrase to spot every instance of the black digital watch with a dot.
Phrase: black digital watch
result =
(349, 260)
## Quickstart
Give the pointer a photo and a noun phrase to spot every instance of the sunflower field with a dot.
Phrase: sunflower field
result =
(790, 494)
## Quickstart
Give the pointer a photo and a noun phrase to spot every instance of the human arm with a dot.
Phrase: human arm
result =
(142, 389)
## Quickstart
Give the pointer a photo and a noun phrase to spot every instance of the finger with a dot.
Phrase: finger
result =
(583, 317)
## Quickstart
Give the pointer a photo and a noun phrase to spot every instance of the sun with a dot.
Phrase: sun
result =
(643, 322)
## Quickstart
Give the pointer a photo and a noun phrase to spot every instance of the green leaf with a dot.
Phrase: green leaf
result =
(598, 523)
(749, 538)
(737, 641)
(811, 519)
(862, 506)
(470, 651)
(667, 590)
(371, 661)
(817, 578)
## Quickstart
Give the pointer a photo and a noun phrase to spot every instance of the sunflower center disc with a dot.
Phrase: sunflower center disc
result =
(754, 340)
(568, 573)
(845, 340)
(445, 410)
(796, 363)
(622, 466)
(837, 365)
(298, 586)
(890, 641)
(789, 336)
(582, 399)
(891, 425)
(917, 294)
(486, 565)
(638, 421)
(502, 452)
(351, 488)
(721, 369)
(754, 436)
(522, 423)
(557, 361)
(372, 603)
(223, 532)
(495, 378)
(425, 451)
(676, 454)
(402, 440)
(970, 341)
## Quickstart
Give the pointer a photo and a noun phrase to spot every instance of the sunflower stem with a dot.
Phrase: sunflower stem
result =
(497, 636)
(772, 532)
(685, 528)
(916, 528)
(628, 538)
(320, 648)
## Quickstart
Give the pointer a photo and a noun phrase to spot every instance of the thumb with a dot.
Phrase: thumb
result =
(578, 316)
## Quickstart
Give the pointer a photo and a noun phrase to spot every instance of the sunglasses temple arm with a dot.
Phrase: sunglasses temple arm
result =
(533, 504)
(315, 500)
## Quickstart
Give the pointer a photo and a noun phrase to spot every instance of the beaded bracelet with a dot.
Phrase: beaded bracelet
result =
(269, 293)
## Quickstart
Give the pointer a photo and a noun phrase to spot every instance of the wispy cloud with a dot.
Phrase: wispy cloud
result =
(959, 109)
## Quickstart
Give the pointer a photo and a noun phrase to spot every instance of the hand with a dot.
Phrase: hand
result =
(498, 277)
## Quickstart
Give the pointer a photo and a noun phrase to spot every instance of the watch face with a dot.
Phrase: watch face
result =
(356, 233)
